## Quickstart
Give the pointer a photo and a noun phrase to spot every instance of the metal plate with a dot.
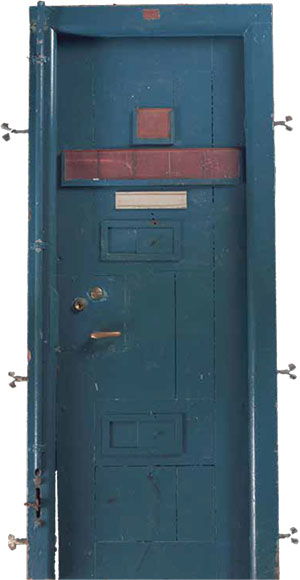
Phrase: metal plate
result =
(151, 200)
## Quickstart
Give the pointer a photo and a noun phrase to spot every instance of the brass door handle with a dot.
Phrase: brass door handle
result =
(103, 334)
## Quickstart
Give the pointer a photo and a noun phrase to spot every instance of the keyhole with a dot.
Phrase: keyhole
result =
(79, 304)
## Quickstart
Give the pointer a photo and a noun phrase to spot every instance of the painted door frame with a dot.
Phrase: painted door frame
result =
(252, 23)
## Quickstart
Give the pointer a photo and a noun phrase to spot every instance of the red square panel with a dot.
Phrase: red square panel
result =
(154, 123)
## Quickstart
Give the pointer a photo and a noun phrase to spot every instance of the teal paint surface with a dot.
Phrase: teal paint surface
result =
(163, 439)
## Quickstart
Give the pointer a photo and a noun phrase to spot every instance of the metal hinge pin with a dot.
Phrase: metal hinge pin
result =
(35, 506)
(13, 542)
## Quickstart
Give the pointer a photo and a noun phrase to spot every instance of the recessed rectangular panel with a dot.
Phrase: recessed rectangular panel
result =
(195, 342)
(155, 434)
(196, 503)
(135, 504)
(140, 240)
(163, 164)
(157, 560)
(151, 200)
(178, 432)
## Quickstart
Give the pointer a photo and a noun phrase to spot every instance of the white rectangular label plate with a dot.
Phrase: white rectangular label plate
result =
(151, 200)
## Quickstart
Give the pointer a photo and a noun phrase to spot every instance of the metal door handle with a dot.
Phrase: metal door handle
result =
(103, 334)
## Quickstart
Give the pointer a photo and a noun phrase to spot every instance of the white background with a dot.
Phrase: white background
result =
(13, 231)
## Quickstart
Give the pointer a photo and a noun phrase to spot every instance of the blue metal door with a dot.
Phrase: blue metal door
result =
(150, 300)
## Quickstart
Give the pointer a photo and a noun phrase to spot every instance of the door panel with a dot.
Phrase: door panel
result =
(171, 559)
(152, 425)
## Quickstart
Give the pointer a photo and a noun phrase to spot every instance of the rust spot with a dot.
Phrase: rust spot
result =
(277, 567)
(154, 221)
(29, 355)
(151, 14)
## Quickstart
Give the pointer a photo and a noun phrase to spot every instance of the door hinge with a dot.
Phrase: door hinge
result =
(39, 59)
(288, 371)
(284, 123)
(6, 127)
(290, 535)
(17, 379)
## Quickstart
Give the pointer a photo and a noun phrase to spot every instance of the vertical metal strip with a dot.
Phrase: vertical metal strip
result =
(41, 295)
(261, 300)
(37, 246)
(251, 332)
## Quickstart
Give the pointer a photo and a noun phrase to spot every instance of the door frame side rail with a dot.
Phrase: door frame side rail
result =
(42, 298)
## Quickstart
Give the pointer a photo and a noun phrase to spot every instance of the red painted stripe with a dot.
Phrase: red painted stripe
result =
(125, 164)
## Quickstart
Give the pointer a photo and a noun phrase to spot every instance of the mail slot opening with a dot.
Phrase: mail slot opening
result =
(151, 200)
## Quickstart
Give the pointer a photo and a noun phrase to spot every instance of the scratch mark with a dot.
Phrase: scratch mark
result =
(151, 478)
(145, 552)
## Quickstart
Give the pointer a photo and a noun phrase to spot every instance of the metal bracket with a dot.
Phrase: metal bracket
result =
(17, 379)
(40, 59)
(35, 506)
(293, 531)
(13, 542)
(6, 127)
(284, 123)
(288, 371)
(38, 246)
